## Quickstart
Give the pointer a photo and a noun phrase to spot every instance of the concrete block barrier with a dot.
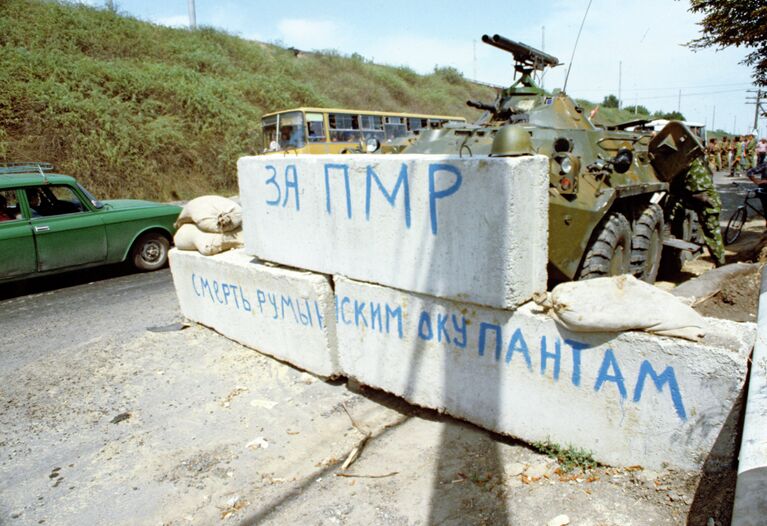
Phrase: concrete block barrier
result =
(750, 508)
(287, 314)
(630, 398)
(473, 230)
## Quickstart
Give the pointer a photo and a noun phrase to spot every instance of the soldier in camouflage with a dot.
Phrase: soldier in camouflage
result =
(696, 192)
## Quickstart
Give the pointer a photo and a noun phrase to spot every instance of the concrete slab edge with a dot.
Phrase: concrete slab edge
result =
(750, 506)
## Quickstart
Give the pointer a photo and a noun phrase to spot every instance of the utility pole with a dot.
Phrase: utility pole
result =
(713, 119)
(192, 15)
(679, 102)
(734, 124)
(474, 43)
(543, 48)
(620, 71)
(758, 102)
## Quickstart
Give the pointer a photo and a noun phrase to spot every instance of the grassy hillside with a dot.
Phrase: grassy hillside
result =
(139, 110)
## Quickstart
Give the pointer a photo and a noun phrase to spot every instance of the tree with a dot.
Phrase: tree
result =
(735, 23)
(670, 115)
(637, 109)
(610, 101)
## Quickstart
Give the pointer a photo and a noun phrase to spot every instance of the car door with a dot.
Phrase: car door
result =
(17, 243)
(67, 232)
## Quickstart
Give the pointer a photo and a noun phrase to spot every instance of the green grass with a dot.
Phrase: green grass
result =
(138, 110)
(569, 458)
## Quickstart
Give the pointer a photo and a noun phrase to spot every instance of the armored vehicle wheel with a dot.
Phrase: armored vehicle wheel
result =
(647, 244)
(610, 252)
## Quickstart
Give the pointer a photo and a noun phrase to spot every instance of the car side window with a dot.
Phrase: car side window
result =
(53, 200)
(9, 206)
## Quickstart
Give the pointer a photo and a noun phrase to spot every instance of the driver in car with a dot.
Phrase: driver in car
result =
(33, 197)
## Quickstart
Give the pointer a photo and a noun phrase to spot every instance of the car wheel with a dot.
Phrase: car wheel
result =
(610, 252)
(150, 252)
(647, 244)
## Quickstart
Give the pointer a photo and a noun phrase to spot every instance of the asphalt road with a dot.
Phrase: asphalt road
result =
(58, 313)
(173, 427)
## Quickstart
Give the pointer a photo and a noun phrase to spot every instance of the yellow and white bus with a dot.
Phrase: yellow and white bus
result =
(331, 130)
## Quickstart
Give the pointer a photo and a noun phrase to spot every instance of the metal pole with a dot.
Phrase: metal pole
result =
(713, 119)
(679, 102)
(620, 71)
(543, 48)
(474, 43)
(756, 111)
(192, 15)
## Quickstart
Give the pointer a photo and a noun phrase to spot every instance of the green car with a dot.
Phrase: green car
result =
(49, 223)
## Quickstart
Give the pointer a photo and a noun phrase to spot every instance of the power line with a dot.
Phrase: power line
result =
(693, 94)
(677, 95)
(677, 87)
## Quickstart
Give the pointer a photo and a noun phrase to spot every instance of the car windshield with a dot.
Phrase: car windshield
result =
(95, 202)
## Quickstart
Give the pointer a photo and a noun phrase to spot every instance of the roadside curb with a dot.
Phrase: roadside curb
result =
(750, 507)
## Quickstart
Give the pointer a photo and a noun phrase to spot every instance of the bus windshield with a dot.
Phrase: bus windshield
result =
(284, 131)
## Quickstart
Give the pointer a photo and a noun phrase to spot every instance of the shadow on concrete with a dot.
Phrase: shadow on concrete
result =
(715, 493)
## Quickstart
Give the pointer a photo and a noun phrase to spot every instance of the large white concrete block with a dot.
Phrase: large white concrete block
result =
(470, 229)
(630, 398)
(287, 314)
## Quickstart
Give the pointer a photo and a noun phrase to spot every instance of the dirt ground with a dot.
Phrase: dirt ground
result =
(187, 427)
(737, 300)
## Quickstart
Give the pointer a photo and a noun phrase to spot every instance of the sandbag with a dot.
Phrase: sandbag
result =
(621, 303)
(189, 237)
(211, 213)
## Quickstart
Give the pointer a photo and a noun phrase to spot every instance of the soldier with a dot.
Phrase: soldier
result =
(725, 152)
(749, 151)
(735, 147)
(696, 191)
(718, 155)
(713, 153)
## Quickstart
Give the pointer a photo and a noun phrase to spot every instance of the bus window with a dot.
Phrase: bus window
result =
(416, 124)
(344, 127)
(315, 127)
(395, 127)
(270, 134)
(291, 130)
(436, 123)
(372, 127)
(371, 122)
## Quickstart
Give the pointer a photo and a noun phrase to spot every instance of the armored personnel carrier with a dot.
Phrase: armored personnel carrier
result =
(611, 210)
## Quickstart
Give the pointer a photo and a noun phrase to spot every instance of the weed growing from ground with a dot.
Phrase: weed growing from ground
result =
(569, 457)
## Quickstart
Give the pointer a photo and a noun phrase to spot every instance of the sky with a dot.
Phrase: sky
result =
(635, 48)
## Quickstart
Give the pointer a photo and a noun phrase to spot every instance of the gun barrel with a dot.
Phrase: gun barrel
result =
(480, 105)
(521, 52)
